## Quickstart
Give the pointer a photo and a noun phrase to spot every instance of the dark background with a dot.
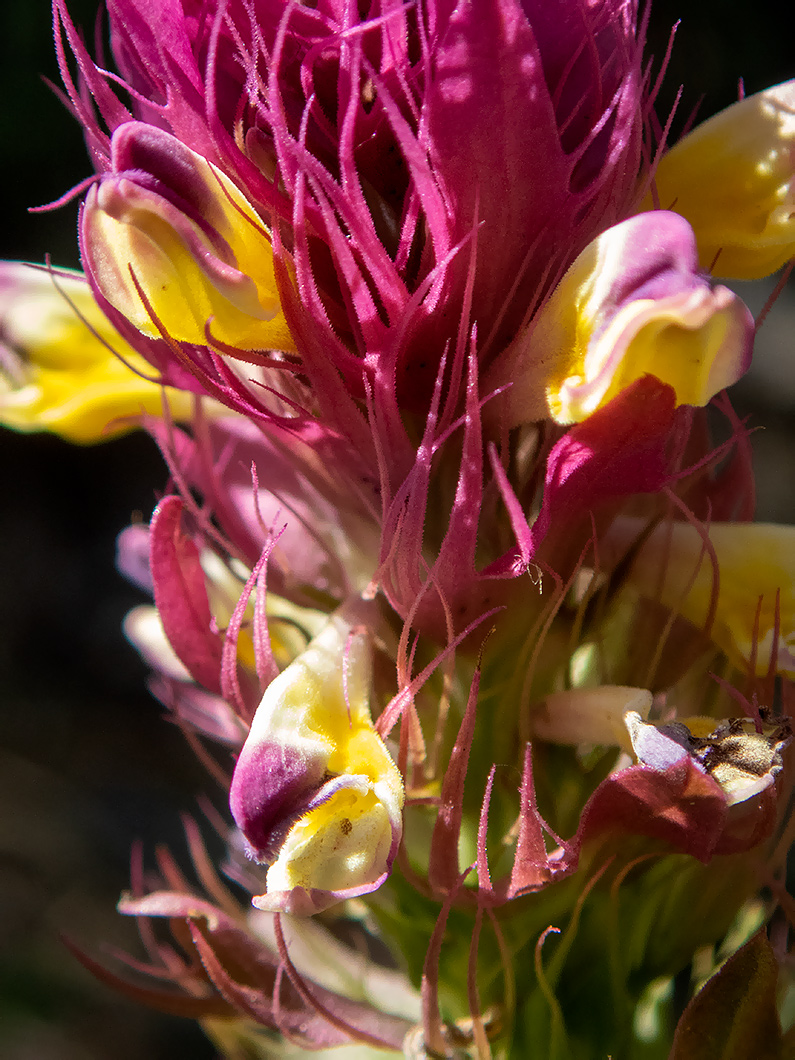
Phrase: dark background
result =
(87, 763)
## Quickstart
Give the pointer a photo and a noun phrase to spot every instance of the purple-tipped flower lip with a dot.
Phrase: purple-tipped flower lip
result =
(315, 792)
(272, 788)
(152, 174)
(634, 302)
(160, 160)
(123, 194)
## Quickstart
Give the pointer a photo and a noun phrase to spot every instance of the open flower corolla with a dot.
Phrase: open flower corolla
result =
(315, 791)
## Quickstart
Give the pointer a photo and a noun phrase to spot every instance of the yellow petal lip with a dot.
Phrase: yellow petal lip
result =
(633, 303)
(756, 565)
(175, 246)
(732, 178)
(61, 373)
(694, 342)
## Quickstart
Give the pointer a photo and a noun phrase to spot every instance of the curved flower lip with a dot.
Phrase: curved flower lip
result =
(193, 243)
(733, 179)
(633, 303)
(658, 746)
(58, 368)
(315, 791)
(302, 902)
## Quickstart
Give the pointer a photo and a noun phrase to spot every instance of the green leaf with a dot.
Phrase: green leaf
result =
(734, 1016)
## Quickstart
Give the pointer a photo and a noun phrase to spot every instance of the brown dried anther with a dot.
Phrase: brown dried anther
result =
(743, 761)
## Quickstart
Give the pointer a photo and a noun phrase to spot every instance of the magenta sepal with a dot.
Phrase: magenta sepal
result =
(181, 595)
(252, 979)
(534, 118)
(618, 451)
(681, 807)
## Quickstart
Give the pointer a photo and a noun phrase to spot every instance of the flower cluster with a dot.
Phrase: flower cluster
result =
(455, 585)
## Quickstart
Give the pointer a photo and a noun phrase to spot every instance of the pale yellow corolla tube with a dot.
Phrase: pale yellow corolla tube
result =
(633, 303)
(177, 248)
(582, 716)
(756, 561)
(63, 366)
(315, 792)
(733, 178)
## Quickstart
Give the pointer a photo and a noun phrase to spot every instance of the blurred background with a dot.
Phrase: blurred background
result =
(88, 765)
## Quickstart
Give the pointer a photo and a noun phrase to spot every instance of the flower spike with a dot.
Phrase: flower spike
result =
(440, 304)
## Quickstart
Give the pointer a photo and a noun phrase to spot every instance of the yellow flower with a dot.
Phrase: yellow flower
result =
(756, 562)
(732, 178)
(60, 371)
(632, 304)
(315, 791)
(173, 224)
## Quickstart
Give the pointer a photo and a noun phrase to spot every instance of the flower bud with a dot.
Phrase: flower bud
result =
(590, 715)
